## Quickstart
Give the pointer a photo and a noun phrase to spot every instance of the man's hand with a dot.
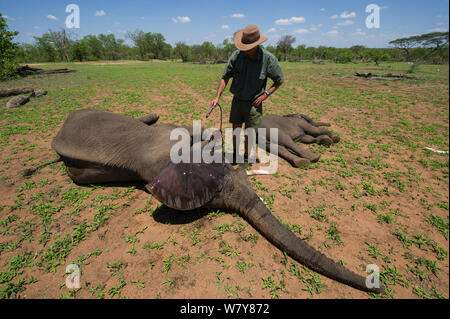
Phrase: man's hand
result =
(222, 85)
(214, 102)
(259, 99)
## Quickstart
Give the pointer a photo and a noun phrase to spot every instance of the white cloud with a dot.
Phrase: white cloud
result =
(359, 32)
(345, 15)
(297, 20)
(142, 18)
(345, 23)
(274, 36)
(271, 30)
(282, 22)
(315, 27)
(51, 17)
(290, 21)
(438, 30)
(238, 15)
(99, 13)
(181, 19)
(322, 9)
(331, 33)
(301, 31)
(225, 27)
(209, 36)
(8, 18)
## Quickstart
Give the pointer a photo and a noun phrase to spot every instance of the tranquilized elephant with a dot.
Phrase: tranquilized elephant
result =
(98, 147)
(294, 128)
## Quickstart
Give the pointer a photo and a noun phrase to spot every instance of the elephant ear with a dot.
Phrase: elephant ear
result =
(187, 186)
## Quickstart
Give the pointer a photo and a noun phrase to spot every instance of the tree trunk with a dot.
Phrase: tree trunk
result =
(14, 91)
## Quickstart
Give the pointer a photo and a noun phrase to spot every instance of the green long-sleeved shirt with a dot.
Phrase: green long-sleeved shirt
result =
(250, 75)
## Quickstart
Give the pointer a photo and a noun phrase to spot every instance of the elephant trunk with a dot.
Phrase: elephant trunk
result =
(249, 205)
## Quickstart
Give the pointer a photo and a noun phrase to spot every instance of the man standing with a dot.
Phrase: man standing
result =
(249, 66)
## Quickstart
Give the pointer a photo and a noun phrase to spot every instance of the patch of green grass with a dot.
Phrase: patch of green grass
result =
(438, 222)
(333, 234)
(318, 213)
(243, 266)
(227, 249)
(114, 267)
(431, 294)
(312, 281)
(270, 283)
(168, 264)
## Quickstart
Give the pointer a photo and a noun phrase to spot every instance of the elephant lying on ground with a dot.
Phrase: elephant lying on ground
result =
(294, 128)
(98, 147)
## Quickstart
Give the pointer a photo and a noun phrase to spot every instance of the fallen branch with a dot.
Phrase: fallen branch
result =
(388, 76)
(15, 91)
(26, 70)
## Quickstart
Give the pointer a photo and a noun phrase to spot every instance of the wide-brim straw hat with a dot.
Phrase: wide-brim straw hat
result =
(248, 38)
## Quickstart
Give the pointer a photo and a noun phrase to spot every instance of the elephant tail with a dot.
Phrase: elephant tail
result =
(31, 171)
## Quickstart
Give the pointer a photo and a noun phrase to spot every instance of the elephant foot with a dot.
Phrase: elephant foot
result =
(324, 140)
(314, 158)
(301, 162)
(335, 138)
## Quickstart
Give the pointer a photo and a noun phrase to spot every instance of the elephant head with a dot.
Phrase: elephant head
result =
(220, 186)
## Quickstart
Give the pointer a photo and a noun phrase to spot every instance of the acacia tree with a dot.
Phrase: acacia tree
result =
(138, 38)
(405, 44)
(227, 48)
(433, 41)
(46, 50)
(8, 64)
(377, 55)
(62, 42)
(285, 45)
(94, 46)
(79, 50)
(182, 51)
(149, 45)
(111, 45)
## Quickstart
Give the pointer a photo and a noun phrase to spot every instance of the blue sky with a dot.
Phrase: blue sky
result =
(313, 23)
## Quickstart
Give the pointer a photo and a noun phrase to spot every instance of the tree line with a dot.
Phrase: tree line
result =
(62, 46)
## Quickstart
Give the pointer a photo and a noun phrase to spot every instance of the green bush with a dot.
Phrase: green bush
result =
(8, 64)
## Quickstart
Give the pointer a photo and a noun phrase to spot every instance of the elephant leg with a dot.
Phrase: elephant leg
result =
(324, 140)
(89, 173)
(306, 139)
(299, 150)
(294, 160)
(319, 132)
(313, 130)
